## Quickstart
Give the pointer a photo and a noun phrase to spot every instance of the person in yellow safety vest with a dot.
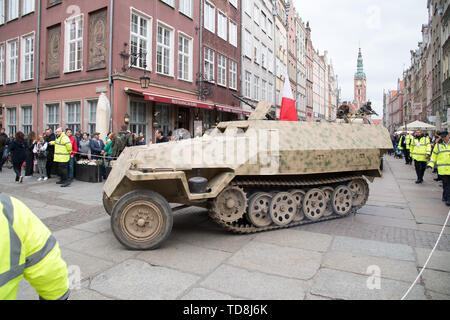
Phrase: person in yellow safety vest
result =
(420, 152)
(409, 138)
(28, 249)
(440, 158)
(63, 149)
(404, 145)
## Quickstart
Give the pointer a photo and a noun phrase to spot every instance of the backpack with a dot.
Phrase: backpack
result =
(41, 154)
(120, 142)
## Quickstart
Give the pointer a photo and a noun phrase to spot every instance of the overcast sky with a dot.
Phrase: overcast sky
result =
(386, 29)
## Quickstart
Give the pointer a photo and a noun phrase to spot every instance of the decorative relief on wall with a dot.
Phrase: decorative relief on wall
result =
(53, 49)
(97, 39)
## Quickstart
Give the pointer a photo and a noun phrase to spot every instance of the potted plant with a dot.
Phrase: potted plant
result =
(89, 170)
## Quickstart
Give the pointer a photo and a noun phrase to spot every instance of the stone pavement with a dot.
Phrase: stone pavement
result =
(390, 237)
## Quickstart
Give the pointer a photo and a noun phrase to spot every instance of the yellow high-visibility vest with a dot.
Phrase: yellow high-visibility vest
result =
(63, 148)
(420, 148)
(441, 159)
(28, 249)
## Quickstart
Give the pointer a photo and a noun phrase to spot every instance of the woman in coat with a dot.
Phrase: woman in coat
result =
(85, 147)
(17, 150)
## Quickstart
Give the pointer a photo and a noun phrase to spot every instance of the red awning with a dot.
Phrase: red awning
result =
(177, 100)
(231, 109)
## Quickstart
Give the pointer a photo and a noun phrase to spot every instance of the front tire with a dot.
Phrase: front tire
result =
(141, 220)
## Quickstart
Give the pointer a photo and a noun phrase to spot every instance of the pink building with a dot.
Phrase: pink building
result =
(53, 75)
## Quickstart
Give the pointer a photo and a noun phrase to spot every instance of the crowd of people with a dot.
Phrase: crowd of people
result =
(426, 152)
(58, 151)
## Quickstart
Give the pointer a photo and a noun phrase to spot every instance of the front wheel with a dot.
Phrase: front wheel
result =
(141, 220)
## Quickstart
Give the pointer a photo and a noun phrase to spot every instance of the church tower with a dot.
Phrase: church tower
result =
(360, 83)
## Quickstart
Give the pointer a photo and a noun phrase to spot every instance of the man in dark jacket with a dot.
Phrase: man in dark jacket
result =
(97, 151)
(160, 137)
(49, 136)
(3, 144)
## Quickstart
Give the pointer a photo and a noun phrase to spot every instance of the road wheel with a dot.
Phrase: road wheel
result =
(108, 204)
(141, 220)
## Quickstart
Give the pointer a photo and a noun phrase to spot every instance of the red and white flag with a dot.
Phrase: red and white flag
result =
(288, 112)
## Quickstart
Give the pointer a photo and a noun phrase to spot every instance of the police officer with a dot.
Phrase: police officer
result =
(420, 152)
(28, 249)
(440, 158)
(63, 149)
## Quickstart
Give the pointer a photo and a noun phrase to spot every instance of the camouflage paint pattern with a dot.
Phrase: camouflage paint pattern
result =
(249, 148)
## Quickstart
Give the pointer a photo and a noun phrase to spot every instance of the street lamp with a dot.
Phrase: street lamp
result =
(145, 79)
(126, 118)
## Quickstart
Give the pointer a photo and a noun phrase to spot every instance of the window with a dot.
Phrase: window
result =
(13, 9)
(256, 51)
(2, 63)
(92, 116)
(233, 33)
(27, 6)
(256, 14)
(11, 120)
(74, 44)
(263, 90)
(53, 116)
(234, 3)
(248, 80)
(73, 116)
(2, 11)
(184, 58)
(222, 25)
(247, 4)
(248, 44)
(12, 52)
(263, 21)
(27, 120)
(138, 118)
(221, 70)
(27, 57)
(233, 74)
(264, 56)
(186, 7)
(169, 2)
(256, 89)
(210, 17)
(209, 65)
(164, 51)
(140, 40)
(269, 28)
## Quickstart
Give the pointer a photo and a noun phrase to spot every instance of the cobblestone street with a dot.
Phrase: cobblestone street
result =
(393, 234)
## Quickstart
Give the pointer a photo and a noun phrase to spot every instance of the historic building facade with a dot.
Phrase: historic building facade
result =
(360, 84)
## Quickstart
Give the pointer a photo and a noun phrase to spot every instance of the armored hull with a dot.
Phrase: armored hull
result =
(253, 176)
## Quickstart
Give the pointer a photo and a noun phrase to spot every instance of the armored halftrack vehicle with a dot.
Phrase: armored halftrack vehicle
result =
(255, 175)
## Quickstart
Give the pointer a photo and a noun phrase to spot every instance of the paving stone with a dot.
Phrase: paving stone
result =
(296, 238)
(430, 220)
(137, 280)
(70, 235)
(88, 265)
(310, 296)
(283, 261)
(386, 221)
(433, 228)
(206, 294)
(349, 286)
(357, 263)
(440, 260)
(254, 284)
(103, 245)
(438, 296)
(387, 212)
(98, 225)
(86, 294)
(373, 248)
(184, 257)
(26, 291)
(211, 238)
(437, 281)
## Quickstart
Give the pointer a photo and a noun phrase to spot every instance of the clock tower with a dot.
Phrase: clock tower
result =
(360, 83)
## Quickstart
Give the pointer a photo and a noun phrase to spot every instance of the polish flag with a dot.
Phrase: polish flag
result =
(288, 112)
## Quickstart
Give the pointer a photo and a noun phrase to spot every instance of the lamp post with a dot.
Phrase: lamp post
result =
(126, 119)
(145, 79)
